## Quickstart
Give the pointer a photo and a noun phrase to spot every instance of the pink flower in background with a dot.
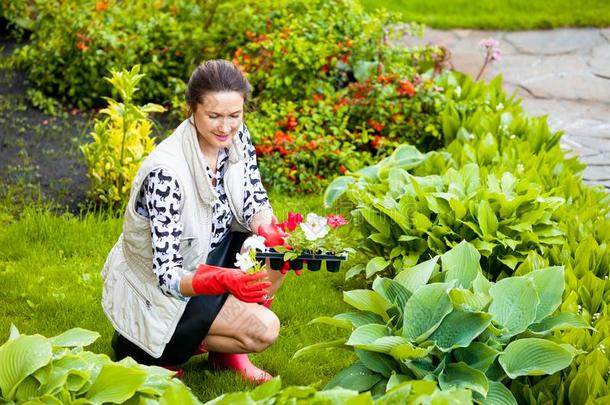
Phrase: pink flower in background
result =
(496, 54)
(335, 221)
(489, 43)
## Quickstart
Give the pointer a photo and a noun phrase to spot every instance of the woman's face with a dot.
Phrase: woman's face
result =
(218, 119)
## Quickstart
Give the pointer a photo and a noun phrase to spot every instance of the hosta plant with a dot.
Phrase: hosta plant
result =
(39, 370)
(398, 392)
(454, 326)
(120, 141)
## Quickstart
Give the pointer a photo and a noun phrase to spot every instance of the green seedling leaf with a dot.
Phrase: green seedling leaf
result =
(514, 303)
(459, 328)
(417, 276)
(533, 356)
(425, 311)
(461, 263)
(367, 300)
(460, 375)
(19, 358)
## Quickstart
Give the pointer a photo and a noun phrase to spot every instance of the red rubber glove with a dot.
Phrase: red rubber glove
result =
(273, 234)
(214, 280)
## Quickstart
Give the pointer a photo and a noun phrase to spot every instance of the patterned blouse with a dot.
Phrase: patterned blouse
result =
(166, 227)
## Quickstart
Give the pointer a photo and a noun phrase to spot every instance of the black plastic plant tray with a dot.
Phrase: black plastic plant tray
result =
(313, 262)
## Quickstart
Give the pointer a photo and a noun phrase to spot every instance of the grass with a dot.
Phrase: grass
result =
(500, 14)
(50, 282)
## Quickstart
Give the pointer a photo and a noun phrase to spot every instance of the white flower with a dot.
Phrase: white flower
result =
(315, 227)
(255, 242)
(244, 262)
(458, 91)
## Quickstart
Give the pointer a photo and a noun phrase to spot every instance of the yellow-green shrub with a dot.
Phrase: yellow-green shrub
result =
(121, 141)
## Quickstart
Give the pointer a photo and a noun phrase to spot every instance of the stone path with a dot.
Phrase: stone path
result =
(562, 73)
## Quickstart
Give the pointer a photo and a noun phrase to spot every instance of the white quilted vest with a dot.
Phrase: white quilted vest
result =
(131, 297)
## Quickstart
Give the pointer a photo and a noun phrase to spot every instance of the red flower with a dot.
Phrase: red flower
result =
(294, 219)
(312, 145)
(318, 97)
(342, 169)
(405, 87)
(101, 6)
(335, 221)
(376, 125)
(344, 58)
(263, 149)
(376, 141)
(282, 138)
(291, 123)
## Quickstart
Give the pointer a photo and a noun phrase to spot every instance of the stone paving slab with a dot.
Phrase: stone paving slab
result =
(563, 74)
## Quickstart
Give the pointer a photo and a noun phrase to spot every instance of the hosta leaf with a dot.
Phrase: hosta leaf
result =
(367, 334)
(549, 284)
(360, 318)
(533, 356)
(378, 362)
(367, 300)
(514, 303)
(466, 299)
(356, 377)
(562, 321)
(384, 344)
(180, 394)
(392, 291)
(318, 346)
(460, 375)
(459, 209)
(397, 379)
(417, 276)
(354, 271)
(339, 323)
(407, 351)
(425, 310)
(459, 328)
(378, 221)
(267, 389)
(487, 219)
(478, 355)
(336, 189)
(461, 263)
(19, 358)
(375, 265)
(421, 222)
(498, 394)
(115, 383)
(27, 389)
(75, 337)
(511, 261)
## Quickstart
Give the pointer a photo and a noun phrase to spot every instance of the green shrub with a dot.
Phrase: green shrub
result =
(120, 142)
(35, 369)
(455, 327)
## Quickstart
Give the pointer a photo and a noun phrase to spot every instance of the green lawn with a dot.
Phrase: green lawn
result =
(500, 14)
(50, 282)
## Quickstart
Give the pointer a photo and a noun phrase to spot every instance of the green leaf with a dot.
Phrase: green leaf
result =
(459, 328)
(364, 69)
(354, 271)
(498, 394)
(417, 276)
(241, 398)
(406, 351)
(367, 300)
(425, 311)
(467, 300)
(392, 291)
(360, 318)
(533, 356)
(355, 377)
(478, 355)
(318, 346)
(339, 323)
(421, 222)
(19, 358)
(562, 321)
(549, 284)
(460, 375)
(179, 394)
(75, 337)
(115, 383)
(377, 362)
(368, 333)
(375, 265)
(487, 219)
(514, 303)
(384, 344)
(336, 189)
(461, 263)
(13, 332)
(267, 390)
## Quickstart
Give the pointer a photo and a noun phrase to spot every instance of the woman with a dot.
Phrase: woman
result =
(171, 289)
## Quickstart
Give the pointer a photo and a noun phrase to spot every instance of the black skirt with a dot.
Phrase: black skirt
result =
(196, 320)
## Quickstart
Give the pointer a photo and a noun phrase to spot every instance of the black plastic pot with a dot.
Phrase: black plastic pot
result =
(296, 264)
(276, 264)
(333, 265)
(314, 265)
(314, 262)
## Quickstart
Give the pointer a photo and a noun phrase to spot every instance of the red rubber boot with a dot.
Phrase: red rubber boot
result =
(240, 363)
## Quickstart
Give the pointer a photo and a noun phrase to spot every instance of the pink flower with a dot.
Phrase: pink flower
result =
(335, 221)
(45, 122)
(489, 43)
(496, 54)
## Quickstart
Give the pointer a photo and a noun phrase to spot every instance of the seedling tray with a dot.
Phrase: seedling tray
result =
(311, 261)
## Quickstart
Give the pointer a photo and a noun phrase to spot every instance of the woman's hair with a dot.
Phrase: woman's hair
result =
(214, 76)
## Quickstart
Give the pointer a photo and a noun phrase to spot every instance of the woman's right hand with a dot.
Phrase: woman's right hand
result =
(214, 280)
